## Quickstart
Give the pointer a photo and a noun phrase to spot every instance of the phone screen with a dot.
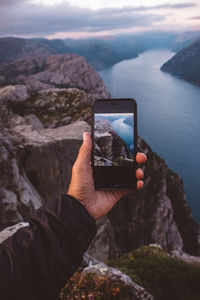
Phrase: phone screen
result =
(113, 139)
(114, 132)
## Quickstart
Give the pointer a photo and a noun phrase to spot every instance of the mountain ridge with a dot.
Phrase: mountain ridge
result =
(186, 63)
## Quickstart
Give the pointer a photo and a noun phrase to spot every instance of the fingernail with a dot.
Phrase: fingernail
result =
(140, 184)
(139, 174)
(84, 135)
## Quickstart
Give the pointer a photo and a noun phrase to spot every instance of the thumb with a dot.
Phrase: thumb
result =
(84, 155)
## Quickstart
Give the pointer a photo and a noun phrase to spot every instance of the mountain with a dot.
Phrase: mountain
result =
(184, 39)
(129, 121)
(56, 44)
(45, 107)
(58, 71)
(12, 49)
(104, 53)
(100, 53)
(186, 63)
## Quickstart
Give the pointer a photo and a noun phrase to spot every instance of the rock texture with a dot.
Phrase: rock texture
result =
(52, 152)
(109, 147)
(18, 198)
(186, 63)
(162, 203)
(24, 174)
(42, 117)
(53, 107)
(32, 106)
(36, 165)
(101, 269)
(67, 70)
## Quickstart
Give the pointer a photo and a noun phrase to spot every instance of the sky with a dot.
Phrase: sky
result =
(95, 18)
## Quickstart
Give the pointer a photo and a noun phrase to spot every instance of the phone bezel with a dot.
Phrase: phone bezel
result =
(113, 168)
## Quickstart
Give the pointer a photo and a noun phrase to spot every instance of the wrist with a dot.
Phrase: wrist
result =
(88, 206)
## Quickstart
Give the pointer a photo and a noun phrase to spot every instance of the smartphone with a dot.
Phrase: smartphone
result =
(114, 135)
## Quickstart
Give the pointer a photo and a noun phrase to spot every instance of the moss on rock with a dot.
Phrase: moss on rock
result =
(91, 286)
(166, 278)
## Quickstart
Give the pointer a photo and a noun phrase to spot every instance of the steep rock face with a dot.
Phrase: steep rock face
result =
(33, 166)
(162, 203)
(48, 155)
(36, 164)
(186, 63)
(18, 198)
(67, 70)
(142, 218)
(108, 144)
(182, 213)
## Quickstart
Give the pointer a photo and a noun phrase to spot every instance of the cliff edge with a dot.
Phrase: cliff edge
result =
(186, 63)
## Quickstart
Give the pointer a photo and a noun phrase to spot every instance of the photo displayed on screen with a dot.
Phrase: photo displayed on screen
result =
(113, 139)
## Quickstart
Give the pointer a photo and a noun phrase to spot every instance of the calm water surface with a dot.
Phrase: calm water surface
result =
(125, 131)
(168, 114)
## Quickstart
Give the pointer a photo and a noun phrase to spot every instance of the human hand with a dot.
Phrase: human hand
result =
(98, 203)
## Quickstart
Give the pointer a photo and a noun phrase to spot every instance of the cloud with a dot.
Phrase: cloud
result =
(10, 2)
(40, 20)
(175, 5)
(20, 17)
(195, 18)
(150, 8)
(165, 6)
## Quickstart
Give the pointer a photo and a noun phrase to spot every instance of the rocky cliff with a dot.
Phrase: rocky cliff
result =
(43, 112)
(36, 165)
(60, 71)
(186, 63)
(109, 147)
(162, 202)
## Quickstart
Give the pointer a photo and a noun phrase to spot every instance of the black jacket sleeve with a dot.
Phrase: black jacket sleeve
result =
(36, 261)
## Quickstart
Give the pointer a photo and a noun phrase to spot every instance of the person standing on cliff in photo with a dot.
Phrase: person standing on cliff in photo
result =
(36, 261)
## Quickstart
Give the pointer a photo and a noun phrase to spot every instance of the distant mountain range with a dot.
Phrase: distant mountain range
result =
(104, 53)
(12, 49)
(186, 63)
(101, 53)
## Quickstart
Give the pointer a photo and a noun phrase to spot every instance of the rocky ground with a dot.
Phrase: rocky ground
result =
(146, 273)
(109, 147)
(54, 71)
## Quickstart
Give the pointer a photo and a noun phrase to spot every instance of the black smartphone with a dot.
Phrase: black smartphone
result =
(114, 135)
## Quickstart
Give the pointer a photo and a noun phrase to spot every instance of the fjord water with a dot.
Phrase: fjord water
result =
(168, 114)
(125, 131)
